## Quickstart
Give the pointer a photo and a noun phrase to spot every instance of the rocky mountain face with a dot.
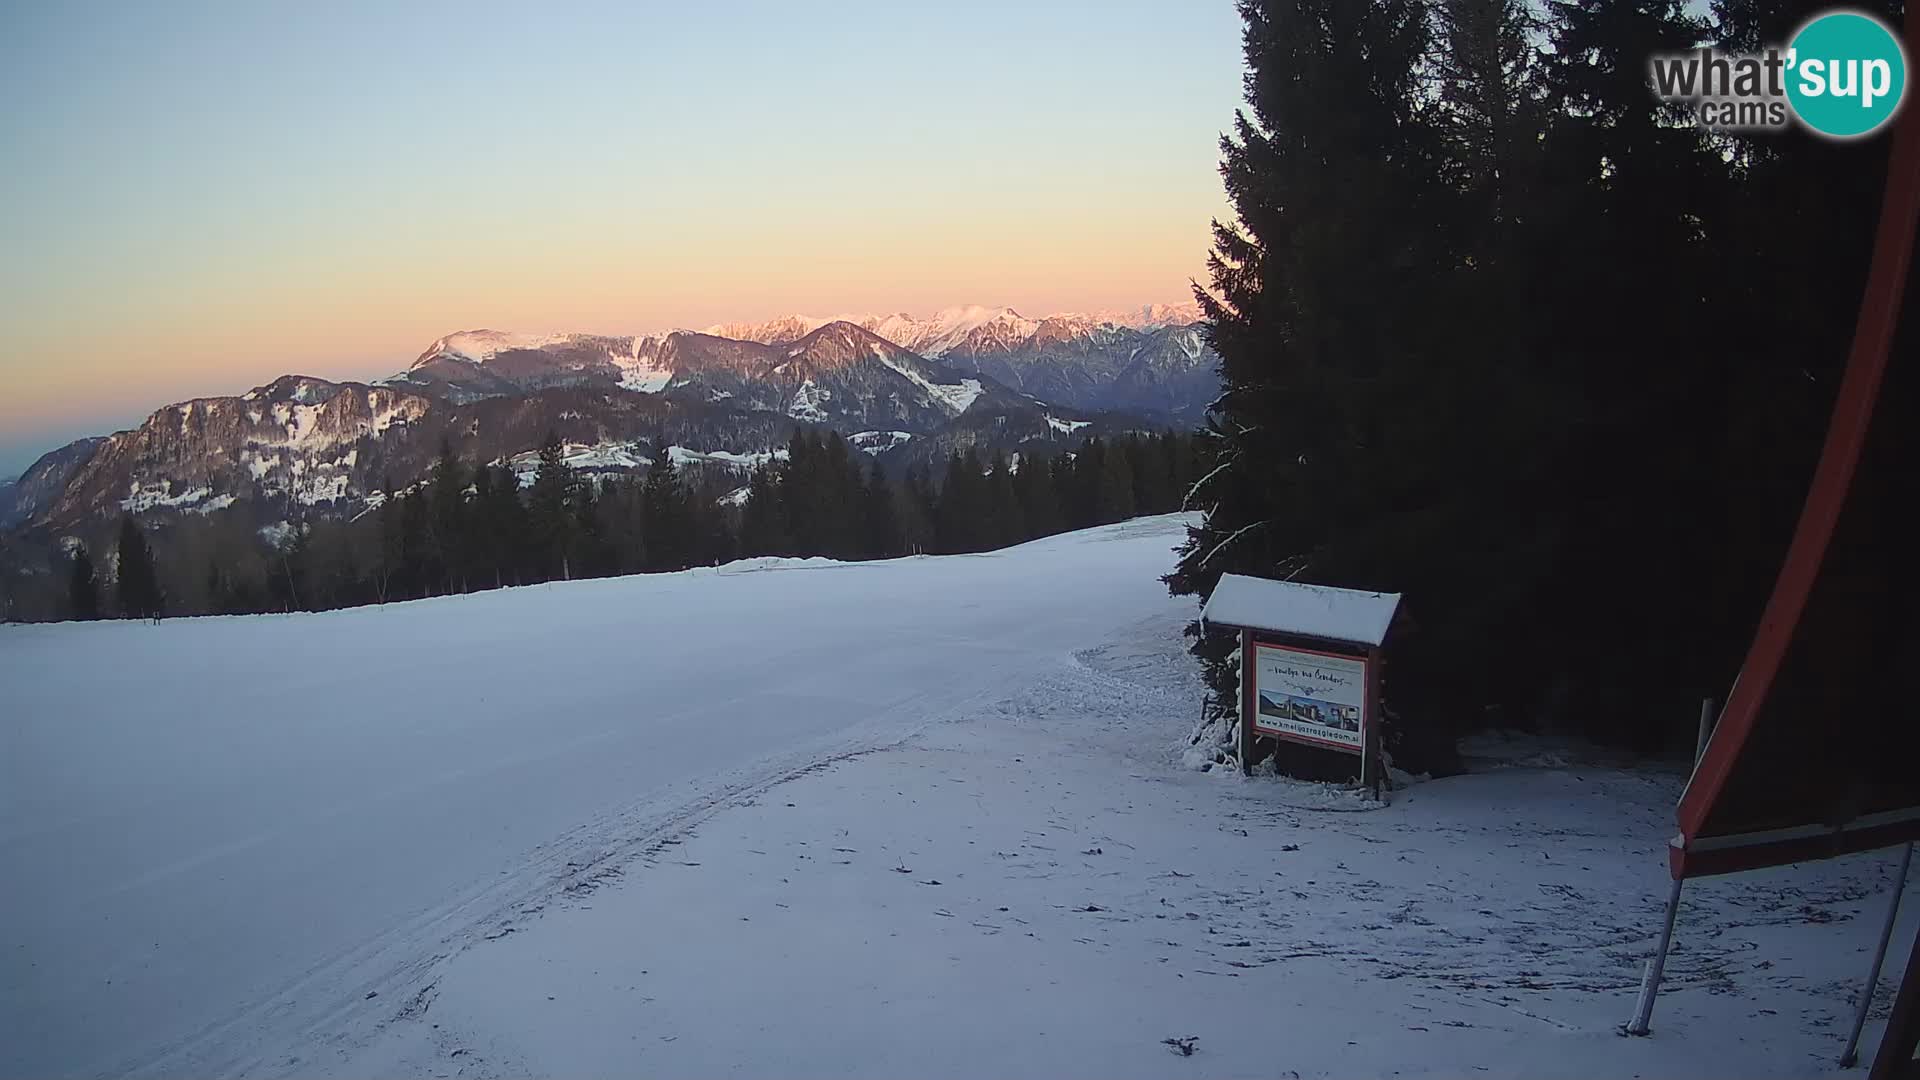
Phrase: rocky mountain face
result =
(904, 390)
(40, 487)
(1150, 360)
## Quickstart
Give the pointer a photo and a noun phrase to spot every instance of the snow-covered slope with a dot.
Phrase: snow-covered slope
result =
(222, 834)
(1037, 890)
(919, 817)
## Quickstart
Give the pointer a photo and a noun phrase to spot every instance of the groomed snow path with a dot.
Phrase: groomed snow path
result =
(220, 835)
(920, 818)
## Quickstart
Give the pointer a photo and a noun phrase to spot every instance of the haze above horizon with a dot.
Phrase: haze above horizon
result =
(204, 198)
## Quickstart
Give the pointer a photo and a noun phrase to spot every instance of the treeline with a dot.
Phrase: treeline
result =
(466, 528)
(1503, 331)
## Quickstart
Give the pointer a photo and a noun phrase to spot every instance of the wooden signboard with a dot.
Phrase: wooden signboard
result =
(1309, 663)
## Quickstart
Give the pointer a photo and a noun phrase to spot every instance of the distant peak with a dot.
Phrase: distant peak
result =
(479, 346)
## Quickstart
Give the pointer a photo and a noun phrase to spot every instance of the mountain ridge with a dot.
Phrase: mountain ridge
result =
(986, 377)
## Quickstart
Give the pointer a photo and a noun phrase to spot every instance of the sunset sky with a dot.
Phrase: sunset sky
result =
(201, 197)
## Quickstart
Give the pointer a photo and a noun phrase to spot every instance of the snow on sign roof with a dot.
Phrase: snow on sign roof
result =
(1291, 607)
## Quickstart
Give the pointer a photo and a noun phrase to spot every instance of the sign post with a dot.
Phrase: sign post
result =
(1309, 664)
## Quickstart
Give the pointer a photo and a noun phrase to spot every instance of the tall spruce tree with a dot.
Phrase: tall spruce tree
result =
(961, 516)
(763, 527)
(1113, 486)
(550, 519)
(83, 586)
(1039, 502)
(1005, 522)
(668, 528)
(590, 555)
(840, 490)
(139, 583)
(1319, 296)
(802, 495)
(880, 518)
(449, 531)
(390, 572)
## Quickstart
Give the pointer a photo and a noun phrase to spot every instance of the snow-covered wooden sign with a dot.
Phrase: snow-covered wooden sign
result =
(1309, 662)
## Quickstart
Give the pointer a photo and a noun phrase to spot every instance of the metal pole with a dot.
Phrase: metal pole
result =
(1848, 1058)
(1650, 985)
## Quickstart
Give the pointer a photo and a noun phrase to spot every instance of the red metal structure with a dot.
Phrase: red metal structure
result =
(1815, 753)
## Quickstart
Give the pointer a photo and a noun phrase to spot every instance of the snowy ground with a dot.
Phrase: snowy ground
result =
(914, 818)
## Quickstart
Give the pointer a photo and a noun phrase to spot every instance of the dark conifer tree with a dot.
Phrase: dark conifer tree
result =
(1005, 523)
(485, 541)
(622, 514)
(449, 532)
(803, 494)
(550, 519)
(1318, 288)
(667, 526)
(763, 526)
(590, 554)
(963, 508)
(1113, 487)
(1060, 474)
(880, 518)
(841, 486)
(139, 584)
(918, 502)
(83, 587)
(1039, 501)
(390, 573)
(1089, 466)
(1152, 483)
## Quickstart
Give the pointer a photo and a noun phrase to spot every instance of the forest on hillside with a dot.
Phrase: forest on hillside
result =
(467, 527)
(1503, 331)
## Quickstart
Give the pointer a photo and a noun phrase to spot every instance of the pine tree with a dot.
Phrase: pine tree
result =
(1113, 487)
(448, 530)
(483, 539)
(711, 537)
(1492, 110)
(415, 577)
(802, 495)
(1319, 293)
(881, 538)
(763, 528)
(83, 588)
(962, 512)
(390, 573)
(665, 513)
(549, 518)
(1039, 501)
(508, 525)
(139, 586)
(1152, 483)
(918, 503)
(622, 515)
(291, 572)
(840, 488)
(590, 554)
(1005, 523)
(1089, 469)
(1060, 476)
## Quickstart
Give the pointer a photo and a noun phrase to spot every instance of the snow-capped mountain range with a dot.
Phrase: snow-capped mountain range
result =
(903, 388)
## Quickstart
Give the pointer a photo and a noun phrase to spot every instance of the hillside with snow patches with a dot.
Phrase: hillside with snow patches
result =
(905, 389)
(929, 816)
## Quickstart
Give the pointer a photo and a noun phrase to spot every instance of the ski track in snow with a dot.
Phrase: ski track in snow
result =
(993, 866)
(236, 835)
(1030, 888)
